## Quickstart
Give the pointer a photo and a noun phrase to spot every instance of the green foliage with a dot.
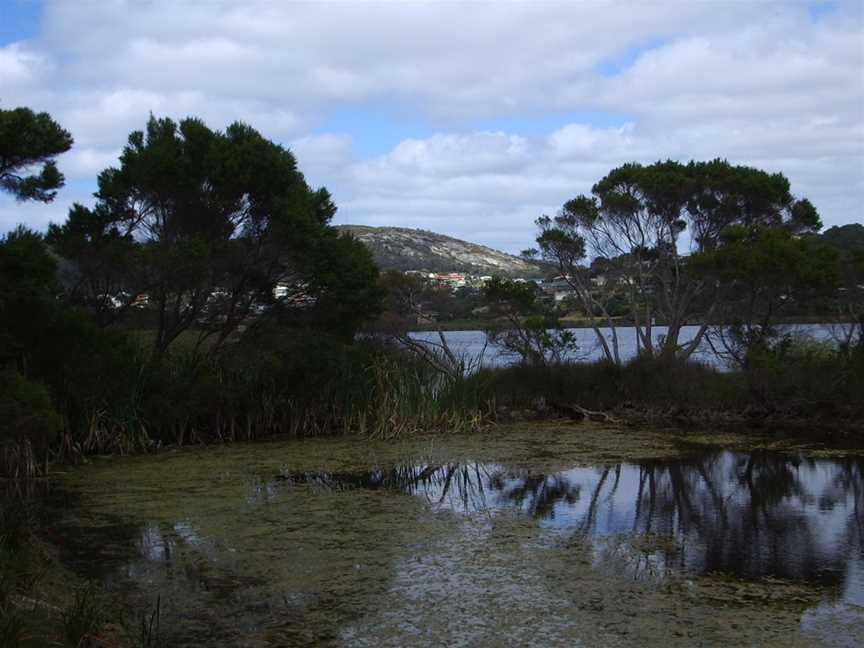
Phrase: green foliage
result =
(770, 256)
(793, 379)
(29, 139)
(278, 380)
(846, 239)
(344, 279)
(90, 374)
(764, 271)
(528, 326)
(82, 619)
(603, 385)
(17, 565)
(27, 289)
(28, 424)
(204, 223)
(847, 305)
(636, 219)
(799, 372)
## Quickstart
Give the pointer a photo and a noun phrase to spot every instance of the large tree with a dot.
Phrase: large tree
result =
(649, 223)
(29, 142)
(203, 224)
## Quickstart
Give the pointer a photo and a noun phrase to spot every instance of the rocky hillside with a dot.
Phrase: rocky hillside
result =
(397, 248)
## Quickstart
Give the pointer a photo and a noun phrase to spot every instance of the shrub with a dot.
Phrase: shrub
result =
(28, 425)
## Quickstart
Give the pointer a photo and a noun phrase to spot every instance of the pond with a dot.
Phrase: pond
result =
(472, 344)
(552, 535)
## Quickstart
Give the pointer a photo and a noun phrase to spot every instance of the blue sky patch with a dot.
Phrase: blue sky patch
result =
(619, 64)
(374, 131)
(19, 20)
(821, 9)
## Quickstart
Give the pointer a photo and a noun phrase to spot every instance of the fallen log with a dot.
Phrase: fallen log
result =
(579, 413)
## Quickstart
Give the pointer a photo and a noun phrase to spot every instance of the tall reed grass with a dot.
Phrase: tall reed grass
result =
(366, 388)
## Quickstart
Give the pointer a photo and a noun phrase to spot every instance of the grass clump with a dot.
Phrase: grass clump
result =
(83, 618)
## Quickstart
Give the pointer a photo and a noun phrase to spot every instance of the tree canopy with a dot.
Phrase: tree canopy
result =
(29, 142)
(203, 224)
(651, 222)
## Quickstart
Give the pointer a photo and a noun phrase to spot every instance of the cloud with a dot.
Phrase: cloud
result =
(480, 184)
(21, 67)
(766, 84)
(38, 215)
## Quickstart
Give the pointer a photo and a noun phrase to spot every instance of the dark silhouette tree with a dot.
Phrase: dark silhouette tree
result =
(29, 142)
(204, 224)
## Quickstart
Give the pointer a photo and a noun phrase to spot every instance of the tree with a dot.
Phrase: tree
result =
(531, 328)
(649, 223)
(763, 271)
(848, 302)
(204, 224)
(409, 300)
(27, 291)
(29, 140)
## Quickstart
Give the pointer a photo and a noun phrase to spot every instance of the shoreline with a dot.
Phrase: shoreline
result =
(570, 323)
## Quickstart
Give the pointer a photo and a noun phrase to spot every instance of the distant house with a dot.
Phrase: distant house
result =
(281, 290)
(452, 280)
(558, 289)
(295, 294)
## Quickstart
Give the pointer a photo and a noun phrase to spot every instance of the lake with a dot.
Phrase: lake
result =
(547, 535)
(471, 344)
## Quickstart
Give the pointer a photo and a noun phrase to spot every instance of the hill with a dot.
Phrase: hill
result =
(398, 248)
(845, 238)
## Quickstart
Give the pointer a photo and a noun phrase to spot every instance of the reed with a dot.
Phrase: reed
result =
(311, 385)
(83, 618)
(150, 626)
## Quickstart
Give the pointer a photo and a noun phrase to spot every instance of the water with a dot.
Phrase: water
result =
(472, 344)
(540, 536)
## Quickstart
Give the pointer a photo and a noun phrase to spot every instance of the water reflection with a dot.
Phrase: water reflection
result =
(451, 553)
(749, 515)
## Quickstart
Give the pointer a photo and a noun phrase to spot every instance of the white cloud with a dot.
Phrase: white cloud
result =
(20, 67)
(757, 83)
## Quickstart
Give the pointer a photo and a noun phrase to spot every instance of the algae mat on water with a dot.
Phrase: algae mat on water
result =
(520, 536)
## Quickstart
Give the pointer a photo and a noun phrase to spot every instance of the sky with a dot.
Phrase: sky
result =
(470, 119)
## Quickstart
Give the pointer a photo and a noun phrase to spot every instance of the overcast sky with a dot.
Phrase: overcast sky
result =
(466, 118)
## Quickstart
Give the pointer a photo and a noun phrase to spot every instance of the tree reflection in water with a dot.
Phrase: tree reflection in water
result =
(749, 515)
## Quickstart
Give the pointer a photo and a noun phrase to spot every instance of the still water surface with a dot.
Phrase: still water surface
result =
(472, 344)
(530, 537)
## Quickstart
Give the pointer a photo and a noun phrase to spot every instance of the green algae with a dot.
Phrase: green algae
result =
(243, 554)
